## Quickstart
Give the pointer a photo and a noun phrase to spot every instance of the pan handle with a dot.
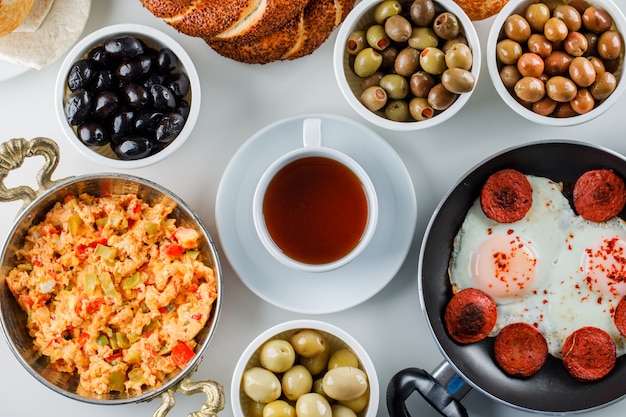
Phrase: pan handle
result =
(443, 390)
(214, 403)
(13, 153)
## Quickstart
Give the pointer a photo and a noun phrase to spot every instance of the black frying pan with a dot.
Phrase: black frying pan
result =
(552, 390)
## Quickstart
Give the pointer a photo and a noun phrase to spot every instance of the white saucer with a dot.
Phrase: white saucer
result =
(9, 70)
(327, 292)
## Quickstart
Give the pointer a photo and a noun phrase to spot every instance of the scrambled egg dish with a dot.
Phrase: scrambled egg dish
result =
(114, 290)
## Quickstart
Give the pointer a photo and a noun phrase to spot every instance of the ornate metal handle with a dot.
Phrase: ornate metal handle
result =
(214, 403)
(13, 153)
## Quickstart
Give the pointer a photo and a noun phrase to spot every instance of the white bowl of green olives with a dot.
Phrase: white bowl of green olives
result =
(127, 96)
(558, 62)
(307, 368)
(407, 65)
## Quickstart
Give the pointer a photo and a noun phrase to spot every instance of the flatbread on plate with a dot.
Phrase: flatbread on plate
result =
(37, 14)
(12, 14)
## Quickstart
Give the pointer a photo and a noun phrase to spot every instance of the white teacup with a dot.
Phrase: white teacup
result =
(315, 208)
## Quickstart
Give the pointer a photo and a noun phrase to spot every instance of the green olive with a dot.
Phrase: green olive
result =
(420, 109)
(407, 61)
(318, 363)
(398, 111)
(356, 42)
(459, 55)
(261, 385)
(255, 409)
(422, 12)
(386, 9)
(457, 80)
(440, 98)
(396, 86)
(313, 405)
(345, 383)
(398, 28)
(342, 411)
(308, 342)
(377, 37)
(447, 25)
(367, 62)
(433, 61)
(422, 38)
(359, 404)
(277, 355)
(279, 408)
(296, 382)
(343, 357)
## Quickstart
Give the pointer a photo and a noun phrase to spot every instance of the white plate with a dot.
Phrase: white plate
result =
(306, 292)
(9, 70)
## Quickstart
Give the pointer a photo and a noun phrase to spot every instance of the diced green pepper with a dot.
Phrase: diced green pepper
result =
(133, 337)
(135, 375)
(150, 326)
(102, 221)
(91, 280)
(73, 223)
(193, 254)
(118, 221)
(151, 227)
(102, 340)
(113, 342)
(116, 381)
(132, 282)
(25, 267)
(106, 252)
(133, 356)
(108, 287)
(122, 340)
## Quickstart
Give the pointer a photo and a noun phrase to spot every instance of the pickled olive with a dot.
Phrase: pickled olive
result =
(459, 55)
(555, 30)
(105, 104)
(420, 84)
(342, 411)
(517, 28)
(420, 110)
(318, 363)
(133, 147)
(604, 85)
(596, 19)
(440, 98)
(367, 62)
(508, 51)
(374, 98)
(343, 357)
(561, 89)
(598, 64)
(398, 28)
(433, 60)
(530, 65)
(422, 12)
(308, 342)
(277, 355)
(389, 54)
(313, 405)
(509, 74)
(279, 408)
(377, 38)
(345, 383)
(545, 106)
(261, 385)
(398, 111)
(296, 381)
(569, 15)
(357, 405)
(123, 47)
(575, 44)
(446, 25)
(422, 38)
(255, 409)
(396, 86)
(81, 74)
(582, 72)
(356, 42)
(537, 14)
(93, 134)
(538, 44)
(386, 9)
(530, 89)
(78, 106)
(583, 102)
(135, 95)
(557, 63)
(564, 110)
(370, 81)
(407, 62)
(457, 80)
(579, 5)
(610, 45)
(450, 42)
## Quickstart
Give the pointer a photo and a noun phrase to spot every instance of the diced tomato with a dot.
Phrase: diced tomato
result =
(83, 338)
(94, 304)
(115, 355)
(101, 241)
(163, 310)
(181, 354)
(173, 250)
(197, 316)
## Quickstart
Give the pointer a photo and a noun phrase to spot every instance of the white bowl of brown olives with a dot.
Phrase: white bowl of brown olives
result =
(127, 96)
(407, 65)
(305, 368)
(558, 62)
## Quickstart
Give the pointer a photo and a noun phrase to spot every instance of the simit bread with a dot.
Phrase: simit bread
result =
(481, 9)
(12, 14)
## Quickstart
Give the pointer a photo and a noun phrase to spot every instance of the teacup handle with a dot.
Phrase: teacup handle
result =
(13, 153)
(312, 132)
(215, 398)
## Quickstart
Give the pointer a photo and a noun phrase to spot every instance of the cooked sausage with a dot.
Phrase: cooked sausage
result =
(599, 195)
(520, 349)
(506, 196)
(589, 354)
(470, 316)
(620, 316)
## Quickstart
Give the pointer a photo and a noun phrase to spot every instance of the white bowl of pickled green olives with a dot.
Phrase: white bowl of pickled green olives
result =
(558, 62)
(304, 368)
(407, 64)
(127, 96)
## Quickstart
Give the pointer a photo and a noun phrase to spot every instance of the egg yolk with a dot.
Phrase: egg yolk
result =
(604, 267)
(504, 265)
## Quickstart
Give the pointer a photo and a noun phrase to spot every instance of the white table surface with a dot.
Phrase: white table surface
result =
(237, 101)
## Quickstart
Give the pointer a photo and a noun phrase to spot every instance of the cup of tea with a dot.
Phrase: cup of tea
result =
(315, 208)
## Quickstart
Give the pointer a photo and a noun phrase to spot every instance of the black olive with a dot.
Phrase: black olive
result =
(153, 79)
(80, 75)
(183, 108)
(123, 47)
(169, 127)
(167, 60)
(162, 97)
(78, 107)
(179, 84)
(136, 95)
(93, 134)
(133, 147)
(103, 80)
(147, 120)
(122, 124)
(130, 69)
(105, 104)
(99, 56)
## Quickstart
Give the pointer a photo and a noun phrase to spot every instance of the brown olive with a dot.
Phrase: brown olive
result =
(422, 12)
(374, 98)
(579, 5)
(420, 109)
(604, 85)
(389, 55)
(508, 51)
(440, 98)
(596, 19)
(537, 14)
(538, 44)
(598, 64)
(446, 26)
(555, 30)
(530, 65)
(557, 63)
(356, 42)
(592, 43)
(561, 89)
(610, 45)
(575, 44)
(530, 89)
(398, 28)
(569, 15)
(407, 61)
(516, 27)
(564, 110)
(373, 79)
(509, 74)
(545, 106)
(583, 102)
(582, 72)
(457, 80)
(420, 84)
(398, 111)
(459, 55)
(451, 42)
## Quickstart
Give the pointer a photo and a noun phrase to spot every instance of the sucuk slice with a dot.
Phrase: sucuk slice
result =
(620, 316)
(506, 196)
(589, 354)
(470, 316)
(520, 349)
(599, 195)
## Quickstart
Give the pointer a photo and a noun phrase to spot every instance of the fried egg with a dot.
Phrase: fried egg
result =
(551, 269)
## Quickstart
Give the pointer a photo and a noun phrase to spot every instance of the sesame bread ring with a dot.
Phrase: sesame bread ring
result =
(12, 14)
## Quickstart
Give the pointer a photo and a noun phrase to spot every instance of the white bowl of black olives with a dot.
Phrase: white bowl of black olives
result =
(407, 65)
(305, 368)
(558, 62)
(127, 96)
